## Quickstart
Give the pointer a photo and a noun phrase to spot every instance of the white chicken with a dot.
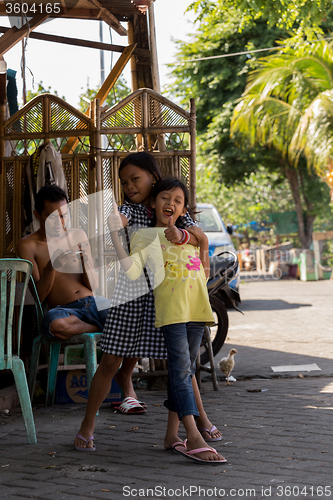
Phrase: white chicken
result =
(226, 365)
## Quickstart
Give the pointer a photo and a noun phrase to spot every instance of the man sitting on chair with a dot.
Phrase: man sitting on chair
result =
(67, 277)
(74, 290)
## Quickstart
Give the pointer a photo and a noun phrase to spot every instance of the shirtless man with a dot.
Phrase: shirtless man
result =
(73, 287)
(68, 277)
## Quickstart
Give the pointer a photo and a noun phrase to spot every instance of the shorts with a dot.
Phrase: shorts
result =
(87, 309)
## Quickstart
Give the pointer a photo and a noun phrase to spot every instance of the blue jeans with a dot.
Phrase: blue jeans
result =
(182, 341)
(85, 309)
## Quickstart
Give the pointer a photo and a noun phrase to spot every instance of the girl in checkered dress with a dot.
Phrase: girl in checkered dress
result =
(129, 331)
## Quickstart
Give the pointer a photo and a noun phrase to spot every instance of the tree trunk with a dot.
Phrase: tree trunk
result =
(292, 176)
(310, 215)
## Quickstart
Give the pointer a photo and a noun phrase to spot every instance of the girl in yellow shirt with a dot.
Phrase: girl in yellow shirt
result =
(182, 307)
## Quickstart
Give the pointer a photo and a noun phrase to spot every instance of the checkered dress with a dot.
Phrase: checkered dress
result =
(129, 329)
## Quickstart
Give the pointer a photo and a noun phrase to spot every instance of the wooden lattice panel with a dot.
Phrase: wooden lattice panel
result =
(30, 122)
(121, 142)
(67, 166)
(185, 169)
(108, 174)
(162, 115)
(143, 121)
(83, 195)
(9, 197)
(64, 119)
(128, 116)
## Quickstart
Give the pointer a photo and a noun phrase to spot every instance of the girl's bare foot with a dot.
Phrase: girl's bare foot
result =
(87, 432)
(194, 443)
(204, 423)
(170, 440)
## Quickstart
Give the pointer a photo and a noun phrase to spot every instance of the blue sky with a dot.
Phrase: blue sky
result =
(70, 69)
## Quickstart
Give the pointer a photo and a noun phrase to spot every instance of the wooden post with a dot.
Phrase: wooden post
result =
(153, 49)
(99, 197)
(92, 184)
(3, 98)
(193, 152)
(134, 70)
(145, 117)
(17, 208)
(46, 110)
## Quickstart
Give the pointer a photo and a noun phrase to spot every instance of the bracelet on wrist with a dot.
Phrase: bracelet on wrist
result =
(185, 238)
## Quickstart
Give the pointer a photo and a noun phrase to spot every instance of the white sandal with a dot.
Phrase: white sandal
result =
(130, 405)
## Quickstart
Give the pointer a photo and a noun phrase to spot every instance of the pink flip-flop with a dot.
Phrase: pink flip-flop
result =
(82, 448)
(182, 450)
(173, 446)
(211, 439)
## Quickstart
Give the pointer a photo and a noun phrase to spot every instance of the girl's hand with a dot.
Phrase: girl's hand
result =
(172, 233)
(114, 220)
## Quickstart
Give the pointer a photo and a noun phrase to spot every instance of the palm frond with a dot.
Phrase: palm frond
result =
(314, 134)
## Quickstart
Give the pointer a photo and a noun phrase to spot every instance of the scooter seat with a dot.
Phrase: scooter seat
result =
(219, 264)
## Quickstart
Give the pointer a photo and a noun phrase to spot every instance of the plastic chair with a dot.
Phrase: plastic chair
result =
(89, 341)
(9, 360)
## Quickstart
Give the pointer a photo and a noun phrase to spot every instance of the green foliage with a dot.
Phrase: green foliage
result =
(214, 82)
(327, 255)
(117, 93)
(281, 13)
(42, 90)
(260, 194)
(217, 85)
(287, 98)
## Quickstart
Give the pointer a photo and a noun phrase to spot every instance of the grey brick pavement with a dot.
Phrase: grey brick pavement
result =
(278, 442)
(279, 437)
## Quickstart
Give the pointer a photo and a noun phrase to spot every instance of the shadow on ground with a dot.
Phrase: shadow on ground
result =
(269, 305)
(254, 362)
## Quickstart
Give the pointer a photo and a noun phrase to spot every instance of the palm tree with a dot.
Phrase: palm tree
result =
(288, 105)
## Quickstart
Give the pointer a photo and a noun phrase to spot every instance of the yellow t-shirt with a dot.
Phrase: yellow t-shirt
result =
(180, 289)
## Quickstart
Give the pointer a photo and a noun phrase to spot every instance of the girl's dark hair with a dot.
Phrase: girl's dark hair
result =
(143, 160)
(168, 184)
(51, 193)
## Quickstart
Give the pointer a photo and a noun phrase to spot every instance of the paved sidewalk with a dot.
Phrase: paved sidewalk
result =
(285, 322)
(274, 440)
(277, 432)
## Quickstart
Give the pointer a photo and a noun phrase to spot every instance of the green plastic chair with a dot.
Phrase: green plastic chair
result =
(89, 341)
(9, 360)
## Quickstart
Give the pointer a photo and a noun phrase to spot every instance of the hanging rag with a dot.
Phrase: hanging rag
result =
(44, 168)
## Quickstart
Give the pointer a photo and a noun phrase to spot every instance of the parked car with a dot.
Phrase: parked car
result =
(218, 234)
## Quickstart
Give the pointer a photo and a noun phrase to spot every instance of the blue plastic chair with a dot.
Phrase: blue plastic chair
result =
(89, 341)
(9, 360)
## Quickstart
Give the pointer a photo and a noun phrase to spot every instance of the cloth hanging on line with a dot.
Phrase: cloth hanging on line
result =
(44, 168)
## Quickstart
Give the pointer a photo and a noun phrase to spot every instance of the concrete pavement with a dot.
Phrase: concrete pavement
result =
(277, 433)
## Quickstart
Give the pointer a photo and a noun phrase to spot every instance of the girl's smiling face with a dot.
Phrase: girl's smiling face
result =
(137, 184)
(169, 205)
